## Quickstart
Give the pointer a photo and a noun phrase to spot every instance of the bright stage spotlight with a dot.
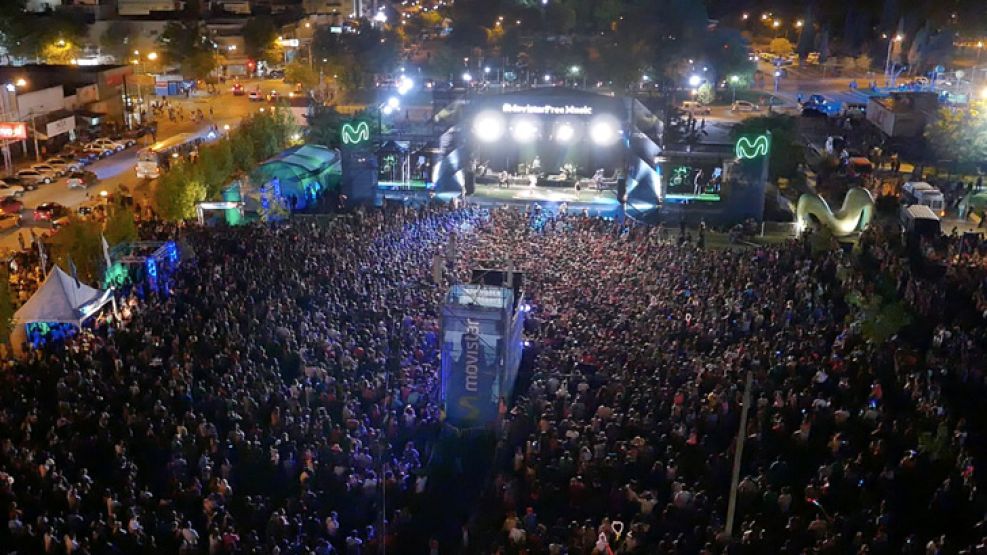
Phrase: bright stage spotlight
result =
(604, 131)
(524, 130)
(488, 127)
(564, 133)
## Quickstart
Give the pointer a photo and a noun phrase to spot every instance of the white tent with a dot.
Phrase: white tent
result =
(61, 299)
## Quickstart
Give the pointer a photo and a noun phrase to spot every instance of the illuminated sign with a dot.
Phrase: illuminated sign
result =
(748, 150)
(547, 110)
(13, 130)
(354, 135)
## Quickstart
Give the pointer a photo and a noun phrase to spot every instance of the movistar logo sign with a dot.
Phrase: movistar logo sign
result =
(747, 149)
(354, 135)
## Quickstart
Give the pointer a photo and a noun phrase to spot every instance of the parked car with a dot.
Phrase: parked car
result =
(76, 154)
(13, 182)
(255, 96)
(8, 221)
(88, 207)
(124, 139)
(100, 151)
(238, 89)
(11, 205)
(695, 108)
(14, 189)
(109, 144)
(82, 180)
(744, 106)
(50, 170)
(275, 74)
(34, 177)
(49, 211)
(65, 165)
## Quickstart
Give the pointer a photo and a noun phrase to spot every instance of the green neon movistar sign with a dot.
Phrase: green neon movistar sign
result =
(355, 134)
(747, 149)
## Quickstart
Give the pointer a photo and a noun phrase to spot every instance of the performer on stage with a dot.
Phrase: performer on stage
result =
(504, 180)
(532, 180)
(697, 183)
(536, 165)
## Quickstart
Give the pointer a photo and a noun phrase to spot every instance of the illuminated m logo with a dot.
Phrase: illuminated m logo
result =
(355, 135)
(748, 150)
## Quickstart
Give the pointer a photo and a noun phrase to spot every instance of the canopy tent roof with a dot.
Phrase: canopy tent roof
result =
(61, 300)
(301, 172)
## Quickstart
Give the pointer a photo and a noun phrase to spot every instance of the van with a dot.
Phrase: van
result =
(919, 219)
(920, 192)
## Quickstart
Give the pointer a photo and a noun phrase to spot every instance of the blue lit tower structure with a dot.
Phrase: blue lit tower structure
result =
(482, 325)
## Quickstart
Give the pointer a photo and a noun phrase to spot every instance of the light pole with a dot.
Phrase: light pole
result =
(733, 86)
(887, 60)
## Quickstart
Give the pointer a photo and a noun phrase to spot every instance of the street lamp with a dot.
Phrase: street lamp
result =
(695, 81)
(152, 56)
(733, 85)
(887, 61)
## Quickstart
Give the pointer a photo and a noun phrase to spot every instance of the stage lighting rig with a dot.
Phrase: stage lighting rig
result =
(564, 133)
(524, 130)
(488, 127)
(604, 131)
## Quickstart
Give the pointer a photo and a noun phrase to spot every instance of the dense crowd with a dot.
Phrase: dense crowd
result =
(282, 398)
(855, 442)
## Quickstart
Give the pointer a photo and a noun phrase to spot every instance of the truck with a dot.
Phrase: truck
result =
(919, 219)
(920, 192)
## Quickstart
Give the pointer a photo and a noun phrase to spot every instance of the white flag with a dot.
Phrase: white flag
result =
(106, 252)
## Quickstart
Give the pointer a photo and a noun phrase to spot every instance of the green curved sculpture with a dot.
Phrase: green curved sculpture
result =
(853, 217)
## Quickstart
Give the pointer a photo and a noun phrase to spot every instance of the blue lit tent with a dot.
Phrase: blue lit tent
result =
(303, 172)
(60, 303)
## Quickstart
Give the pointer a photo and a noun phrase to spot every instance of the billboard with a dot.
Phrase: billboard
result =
(13, 130)
(471, 340)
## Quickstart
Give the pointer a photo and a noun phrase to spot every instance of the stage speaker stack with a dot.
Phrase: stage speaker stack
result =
(469, 179)
(359, 182)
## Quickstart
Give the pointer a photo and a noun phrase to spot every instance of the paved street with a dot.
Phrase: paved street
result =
(118, 169)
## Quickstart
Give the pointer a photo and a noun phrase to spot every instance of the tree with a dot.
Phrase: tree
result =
(298, 72)
(120, 226)
(80, 241)
(177, 192)
(786, 152)
(216, 161)
(960, 135)
(187, 44)
(118, 39)
(6, 306)
(324, 126)
(260, 36)
(705, 93)
(781, 47)
(199, 64)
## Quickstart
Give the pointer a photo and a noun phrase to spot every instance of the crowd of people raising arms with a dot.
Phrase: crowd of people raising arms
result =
(283, 399)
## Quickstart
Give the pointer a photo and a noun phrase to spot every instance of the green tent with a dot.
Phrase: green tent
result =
(302, 172)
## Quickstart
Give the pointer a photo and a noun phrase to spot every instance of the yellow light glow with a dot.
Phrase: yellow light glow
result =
(152, 56)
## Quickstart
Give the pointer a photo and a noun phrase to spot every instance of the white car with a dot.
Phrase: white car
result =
(744, 106)
(66, 166)
(108, 144)
(81, 180)
(45, 168)
(10, 190)
(34, 177)
(102, 149)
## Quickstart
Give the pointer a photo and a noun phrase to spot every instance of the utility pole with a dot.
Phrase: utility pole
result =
(739, 454)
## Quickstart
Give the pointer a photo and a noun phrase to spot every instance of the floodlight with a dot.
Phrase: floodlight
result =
(604, 131)
(564, 133)
(695, 81)
(467, 77)
(488, 127)
(393, 103)
(524, 130)
(405, 84)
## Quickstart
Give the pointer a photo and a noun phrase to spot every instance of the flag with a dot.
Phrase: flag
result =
(75, 272)
(41, 255)
(106, 252)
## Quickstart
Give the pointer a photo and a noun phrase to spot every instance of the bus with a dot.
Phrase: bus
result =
(151, 160)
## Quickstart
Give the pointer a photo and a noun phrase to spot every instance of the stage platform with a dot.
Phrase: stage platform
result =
(603, 201)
